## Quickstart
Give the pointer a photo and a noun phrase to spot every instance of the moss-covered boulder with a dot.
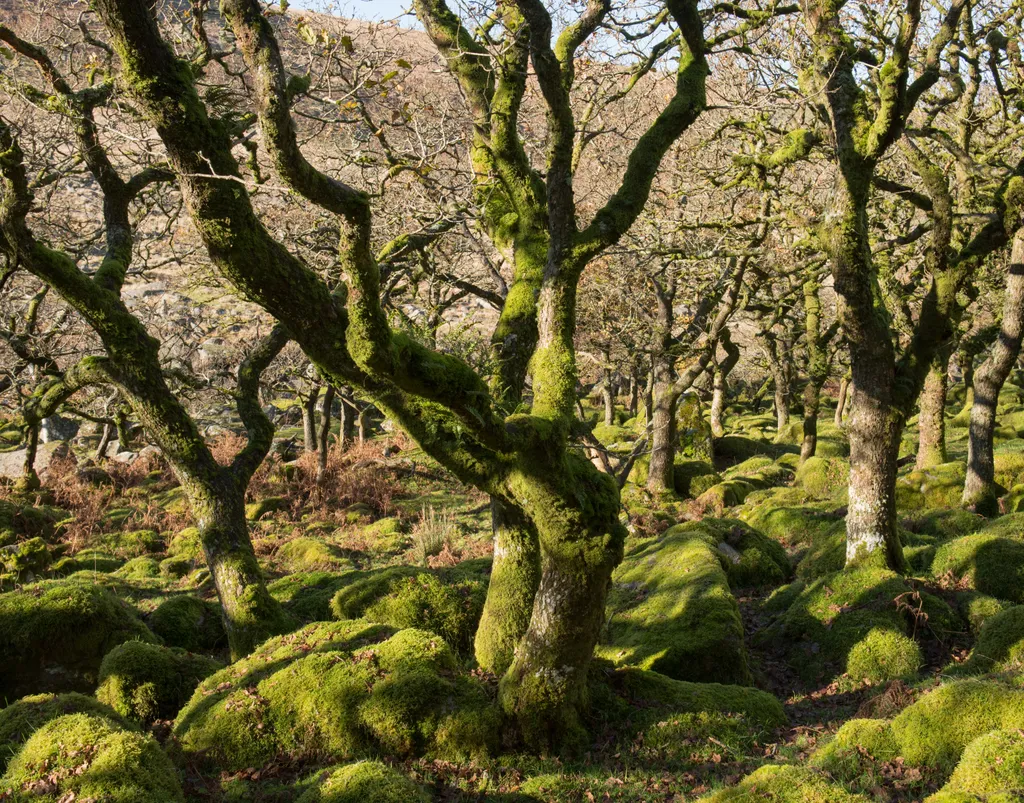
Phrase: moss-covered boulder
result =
(307, 595)
(985, 562)
(53, 635)
(696, 441)
(21, 522)
(307, 554)
(939, 486)
(1000, 643)
(823, 477)
(883, 655)
(671, 610)
(262, 508)
(140, 568)
(82, 757)
(340, 689)
(22, 718)
(691, 478)
(146, 682)
(132, 543)
(751, 559)
(365, 782)
(404, 596)
(189, 623)
(992, 764)
(786, 784)
(26, 559)
(187, 544)
(832, 615)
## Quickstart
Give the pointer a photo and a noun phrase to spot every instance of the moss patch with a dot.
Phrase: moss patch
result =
(365, 782)
(986, 562)
(991, 764)
(670, 609)
(54, 635)
(86, 757)
(189, 623)
(341, 689)
(883, 655)
(786, 784)
(312, 554)
(823, 477)
(146, 682)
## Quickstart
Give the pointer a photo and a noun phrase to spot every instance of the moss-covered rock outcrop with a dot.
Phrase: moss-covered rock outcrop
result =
(448, 603)
(146, 682)
(19, 720)
(87, 757)
(307, 554)
(823, 477)
(342, 689)
(992, 765)
(365, 782)
(190, 623)
(671, 610)
(986, 562)
(785, 784)
(1000, 643)
(53, 635)
(939, 486)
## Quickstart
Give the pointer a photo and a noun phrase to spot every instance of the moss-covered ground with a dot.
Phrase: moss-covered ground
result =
(739, 661)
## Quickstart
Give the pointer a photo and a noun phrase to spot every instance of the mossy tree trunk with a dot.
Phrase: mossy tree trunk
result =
(980, 489)
(323, 435)
(521, 457)
(720, 382)
(308, 404)
(132, 362)
(663, 414)
(818, 364)
(841, 399)
(931, 422)
(608, 388)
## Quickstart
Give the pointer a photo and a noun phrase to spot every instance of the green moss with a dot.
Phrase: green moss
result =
(976, 608)
(342, 689)
(146, 682)
(26, 558)
(984, 562)
(175, 567)
(365, 782)
(189, 623)
(312, 554)
(834, 613)
(858, 747)
(20, 522)
(255, 511)
(187, 544)
(610, 435)
(1009, 468)
(883, 655)
(691, 478)
(87, 757)
(750, 558)
(670, 609)
(21, 719)
(785, 784)
(939, 486)
(96, 560)
(407, 597)
(990, 764)
(141, 568)
(935, 730)
(307, 595)
(132, 544)
(54, 635)
(823, 477)
(1000, 643)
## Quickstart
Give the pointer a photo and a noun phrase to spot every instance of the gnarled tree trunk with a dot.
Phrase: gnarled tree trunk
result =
(980, 490)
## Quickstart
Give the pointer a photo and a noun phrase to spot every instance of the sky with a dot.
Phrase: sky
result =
(364, 9)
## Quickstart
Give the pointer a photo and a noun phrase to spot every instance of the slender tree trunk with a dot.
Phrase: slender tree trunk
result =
(648, 397)
(29, 480)
(309, 402)
(718, 385)
(324, 434)
(968, 370)
(608, 389)
(634, 395)
(817, 365)
(347, 422)
(844, 387)
(812, 404)
(105, 438)
(931, 442)
(781, 399)
(364, 425)
(660, 472)
(250, 614)
(124, 438)
(515, 574)
(980, 490)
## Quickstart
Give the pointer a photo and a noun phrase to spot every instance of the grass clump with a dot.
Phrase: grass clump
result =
(670, 610)
(341, 689)
(87, 757)
(147, 682)
(365, 782)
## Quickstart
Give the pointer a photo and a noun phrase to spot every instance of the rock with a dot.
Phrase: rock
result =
(57, 428)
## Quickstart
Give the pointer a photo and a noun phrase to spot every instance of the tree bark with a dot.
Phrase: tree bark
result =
(104, 444)
(661, 468)
(931, 422)
(844, 387)
(309, 401)
(720, 382)
(324, 433)
(980, 489)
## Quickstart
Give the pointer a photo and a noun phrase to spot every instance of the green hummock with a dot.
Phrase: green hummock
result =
(671, 610)
(22, 718)
(82, 757)
(146, 682)
(990, 765)
(190, 623)
(785, 784)
(312, 554)
(986, 562)
(365, 782)
(883, 655)
(53, 635)
(341, 689)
